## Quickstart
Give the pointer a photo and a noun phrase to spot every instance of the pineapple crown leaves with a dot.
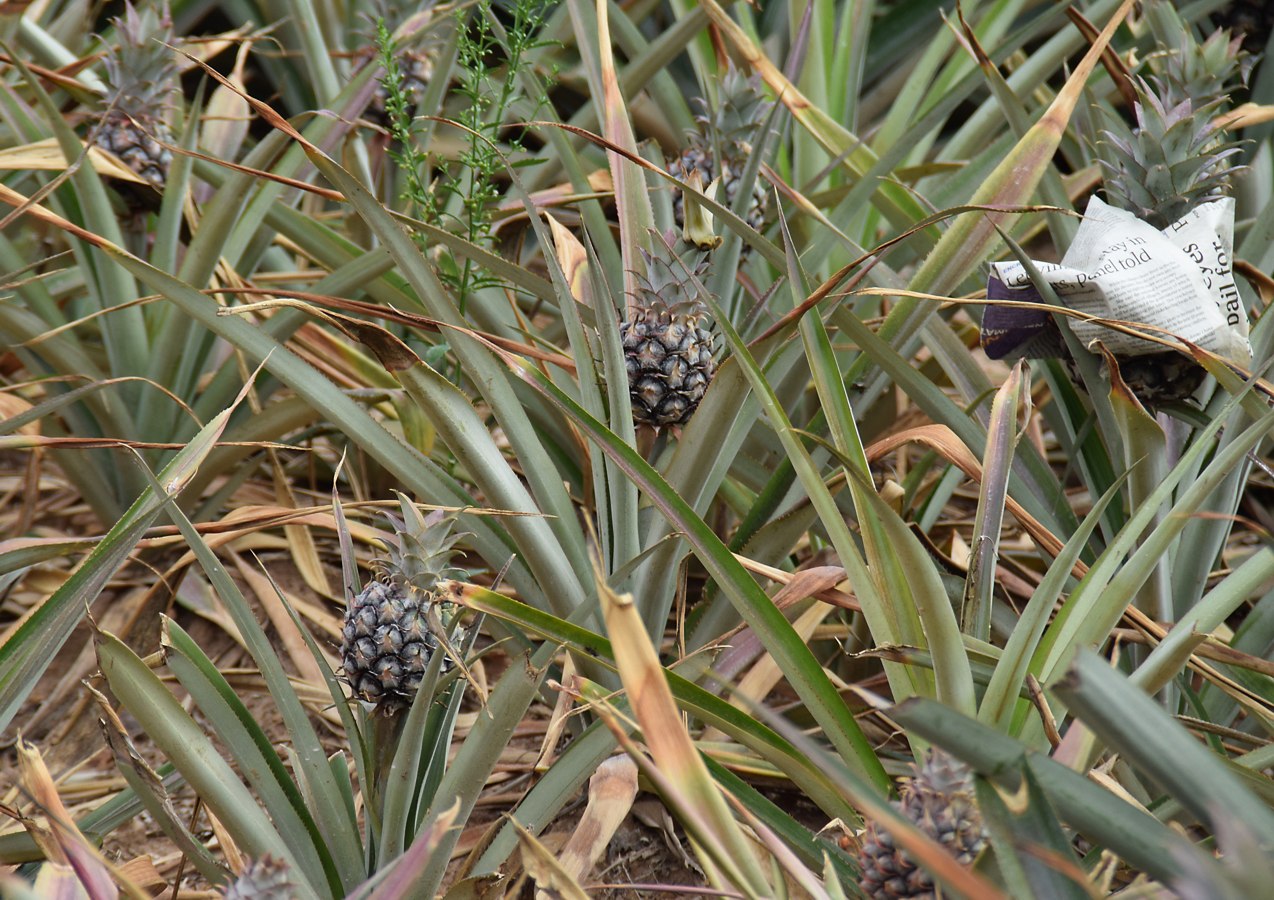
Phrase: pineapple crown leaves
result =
(141, 71)
(1174, 158)
(731, 126)
(941, 773)
(1171, 160)
(1190, 69)
(671, 285)
(420, 549)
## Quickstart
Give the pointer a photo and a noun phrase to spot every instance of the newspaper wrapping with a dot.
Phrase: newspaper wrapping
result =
(1179, 280)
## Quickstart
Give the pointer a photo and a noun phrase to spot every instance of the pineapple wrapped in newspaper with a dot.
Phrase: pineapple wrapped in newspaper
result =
(1159, 251)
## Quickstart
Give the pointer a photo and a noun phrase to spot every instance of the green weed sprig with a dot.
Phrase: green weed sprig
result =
(487, 60)
(404, 150)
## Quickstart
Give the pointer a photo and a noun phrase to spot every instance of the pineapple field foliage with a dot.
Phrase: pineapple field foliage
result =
(422, 422)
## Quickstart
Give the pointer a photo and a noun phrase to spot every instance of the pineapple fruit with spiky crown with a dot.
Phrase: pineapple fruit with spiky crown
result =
(391, 627)
(726, 137)
(668, 347)
(140, 74)
(1170, 160)
(266, 878)
(939, 801)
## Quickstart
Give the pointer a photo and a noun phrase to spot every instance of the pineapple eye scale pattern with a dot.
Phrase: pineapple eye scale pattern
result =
(669, 362)
(699, 159)
(386, 645)
(939, 801)
(722, 142)
(141, 73)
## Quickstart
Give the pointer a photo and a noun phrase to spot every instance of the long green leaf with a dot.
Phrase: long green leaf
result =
(252, 749)
(1001, 439)
(1001, 696)
(695, 700)
(1174, 651)
(413, 470)
(333, 817)
(792, 655)
(1030, 847)
(173, 730)
(1148, 738)
(478, 755)
(33, 645)
(1093, 608)
(1090, 809)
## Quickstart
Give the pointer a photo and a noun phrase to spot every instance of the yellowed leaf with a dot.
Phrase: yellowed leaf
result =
(573, 259)
(552, 882)
(1245, 116)
(12, 405)
(47, 156)
(611, 791)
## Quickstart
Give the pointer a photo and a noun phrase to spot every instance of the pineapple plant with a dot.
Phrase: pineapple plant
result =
(393, 625)
(266, 878)
(140, 75)
(668, 348)
(1169, 160)
(720, 147)
(939, 801)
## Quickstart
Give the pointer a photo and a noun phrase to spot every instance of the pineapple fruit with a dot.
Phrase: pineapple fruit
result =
(388, 635)
(668, 348)
(1169, 161)
(140, 74)
(722, 144)
(939, 801)
(266, 878)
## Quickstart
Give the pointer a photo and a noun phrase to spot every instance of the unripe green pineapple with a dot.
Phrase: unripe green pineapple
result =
(266, 878)
(1171, 160)
(389, 631)
(668, 348)
(939, 801)
(723, 142)
(140, 74)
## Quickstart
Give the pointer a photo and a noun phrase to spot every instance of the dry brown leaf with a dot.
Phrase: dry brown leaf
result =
(552, 882)
(611, 791)
(944, 441)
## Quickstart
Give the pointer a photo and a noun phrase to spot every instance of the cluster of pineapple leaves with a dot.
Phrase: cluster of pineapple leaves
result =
(860, 550)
